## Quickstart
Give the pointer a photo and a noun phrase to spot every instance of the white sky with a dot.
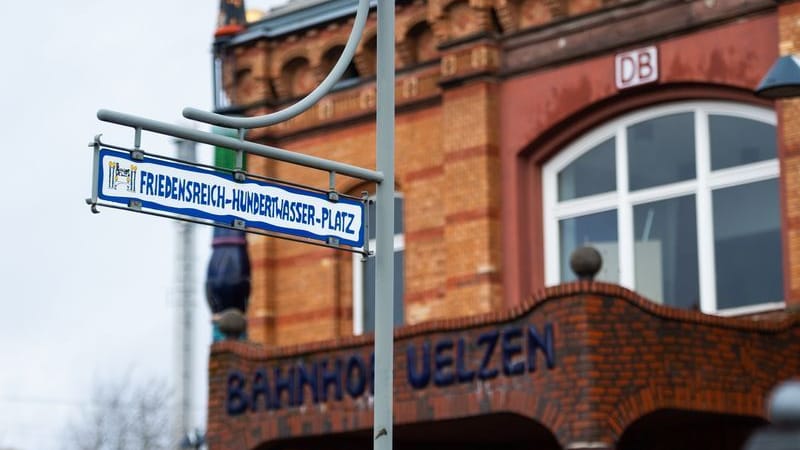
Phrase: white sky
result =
(88, 297)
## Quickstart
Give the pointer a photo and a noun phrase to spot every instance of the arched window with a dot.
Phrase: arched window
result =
(298, 77)
(364, 274)
(681, 200)
(423, 43)
(330, 58)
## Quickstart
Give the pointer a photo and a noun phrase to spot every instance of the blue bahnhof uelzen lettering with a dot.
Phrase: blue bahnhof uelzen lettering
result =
(197, 192)
(509, 352)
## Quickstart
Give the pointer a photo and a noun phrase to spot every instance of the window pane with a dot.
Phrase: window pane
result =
(369, 295)
(398, 216)
(399, 276)
(369, 291)
(665, 252)
(597, 230)
(594, 172)
(747, 244)
(661, 151)
(736, 141)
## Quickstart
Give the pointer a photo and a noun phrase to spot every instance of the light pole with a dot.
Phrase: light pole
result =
(383, 433)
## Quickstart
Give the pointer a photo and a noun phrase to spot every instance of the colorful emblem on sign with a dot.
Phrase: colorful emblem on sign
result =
(121, 178)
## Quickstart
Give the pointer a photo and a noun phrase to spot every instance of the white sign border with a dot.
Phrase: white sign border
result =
(228, 219)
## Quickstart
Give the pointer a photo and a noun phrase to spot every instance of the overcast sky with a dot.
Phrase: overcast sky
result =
(87, 298)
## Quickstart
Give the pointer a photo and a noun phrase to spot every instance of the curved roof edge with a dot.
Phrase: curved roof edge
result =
(251, 350)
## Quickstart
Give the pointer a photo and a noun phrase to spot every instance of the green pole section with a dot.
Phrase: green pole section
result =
(225, 158)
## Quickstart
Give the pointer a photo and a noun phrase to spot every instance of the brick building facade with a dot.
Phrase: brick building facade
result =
(526, 128)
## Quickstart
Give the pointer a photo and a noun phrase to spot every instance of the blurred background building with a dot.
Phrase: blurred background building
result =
(525, 130)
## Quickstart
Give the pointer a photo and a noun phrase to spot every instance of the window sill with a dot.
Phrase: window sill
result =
(751, 309)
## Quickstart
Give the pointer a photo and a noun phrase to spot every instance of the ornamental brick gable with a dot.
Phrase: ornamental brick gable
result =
(584, 361)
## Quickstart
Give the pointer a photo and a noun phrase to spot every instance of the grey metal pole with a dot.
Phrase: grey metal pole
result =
(236, 144)
(383, 433)
(184, 329)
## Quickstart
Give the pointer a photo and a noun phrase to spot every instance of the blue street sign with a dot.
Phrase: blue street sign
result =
(207, 194)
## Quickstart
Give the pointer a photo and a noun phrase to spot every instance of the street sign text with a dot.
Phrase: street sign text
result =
(203, 193)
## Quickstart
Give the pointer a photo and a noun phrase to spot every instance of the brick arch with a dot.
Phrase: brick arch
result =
(449, 11)
(445, 5)
(438, 15)
(322, 69)
(402, 44)
(340, 41)
(370, 32)
(284, 82)
(412, 44)
(558, 8)
(364, 58)
(531, 13)
(506, 13)
(408, 22)
(593, 115)
(454, 407)
(279, 65)
(654, 398)
(284, 58)
(526, 406)
(513, 403)
(477, 426)
(436, 9)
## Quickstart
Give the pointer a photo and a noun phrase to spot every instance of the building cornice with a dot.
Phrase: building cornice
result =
(615, 28)
(545, 296)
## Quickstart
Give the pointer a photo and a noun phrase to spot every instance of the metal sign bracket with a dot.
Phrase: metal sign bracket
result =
(383, 176)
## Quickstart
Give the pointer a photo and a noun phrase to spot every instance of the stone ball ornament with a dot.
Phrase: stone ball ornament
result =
(586, 262)
(231, 323)
(784, 405)
(783, 411)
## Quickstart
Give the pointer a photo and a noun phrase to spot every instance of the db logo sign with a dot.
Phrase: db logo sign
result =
(636, 67)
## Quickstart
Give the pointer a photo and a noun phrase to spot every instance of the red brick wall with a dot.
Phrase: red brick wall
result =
(544, 110)
(617, 357)
(474, 126)
(789, 148)
(447, 171)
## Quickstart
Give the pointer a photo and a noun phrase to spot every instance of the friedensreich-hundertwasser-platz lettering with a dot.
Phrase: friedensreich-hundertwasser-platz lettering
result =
(243, 201)
(508, 352)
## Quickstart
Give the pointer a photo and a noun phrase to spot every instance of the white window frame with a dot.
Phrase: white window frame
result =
(399, 244)
(701, 186)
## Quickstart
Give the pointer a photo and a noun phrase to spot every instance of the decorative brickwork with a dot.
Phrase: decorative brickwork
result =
(616, 357)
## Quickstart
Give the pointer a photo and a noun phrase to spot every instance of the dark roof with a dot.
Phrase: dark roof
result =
(297, 15)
